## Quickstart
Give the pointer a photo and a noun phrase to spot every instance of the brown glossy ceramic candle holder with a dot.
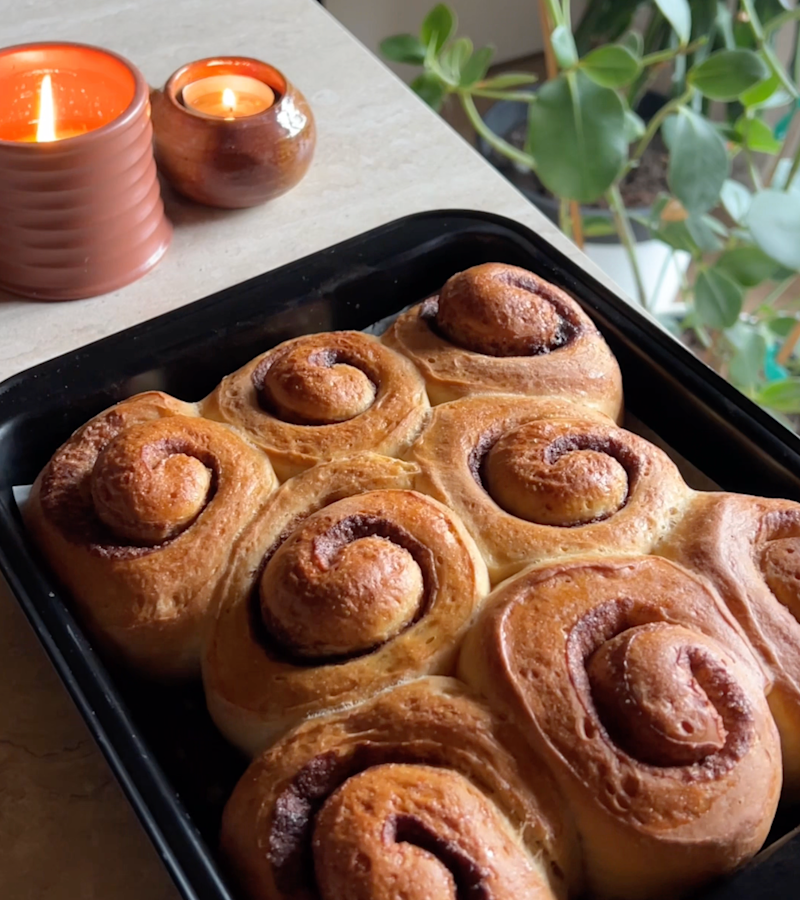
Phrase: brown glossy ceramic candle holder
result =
(232, 162)
(80, 214)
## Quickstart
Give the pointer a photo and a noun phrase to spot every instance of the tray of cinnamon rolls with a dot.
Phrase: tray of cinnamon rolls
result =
(414, 610)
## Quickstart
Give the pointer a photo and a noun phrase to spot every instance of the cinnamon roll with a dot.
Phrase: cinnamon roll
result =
(535, 479)
(136, 513)
(337, 594)
(749, 547)
(636, 687)
(323, 396)
(412, 794)
(500, 329)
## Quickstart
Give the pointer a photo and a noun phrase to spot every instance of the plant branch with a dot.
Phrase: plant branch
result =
(755, 177)
(546, 20)
(577, 223)
(502, 147)
(625, 233)
(783, 19)
(761, 43)
(658, 120)
(793, 170)
(671, 53)
(785, 353)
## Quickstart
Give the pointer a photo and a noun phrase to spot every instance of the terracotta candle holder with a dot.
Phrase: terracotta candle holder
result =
(232, 132)
(80, 204)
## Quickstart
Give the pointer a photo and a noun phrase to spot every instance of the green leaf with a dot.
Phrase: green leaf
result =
(668, 131)
(735, 199)
(612, 66)
(677, 236)
(454, 58)
(704, 233)
(755, 134)
(564, 47)
(747, 361)
(404, 48)
(634, 42)
(510, 80)
(634, 126)
(774, 222)
(728, 73)
(761, 92)
(748, 266)
(431, 89)
(782, 325)
(475, 68)
(598, 226)
(438, 26)
(577, 136)
(717, 299)
(782, 396)
(698, 164)
(679, 16)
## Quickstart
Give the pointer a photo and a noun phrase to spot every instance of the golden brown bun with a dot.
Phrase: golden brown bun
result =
(336, 594)
(136, 514)
(421, 792)
(323, 396)
(637, 688)
(537, 479)
(749, 548)
(499, 329)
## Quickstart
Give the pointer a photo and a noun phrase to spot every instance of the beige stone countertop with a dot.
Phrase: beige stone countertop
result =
(66, 831)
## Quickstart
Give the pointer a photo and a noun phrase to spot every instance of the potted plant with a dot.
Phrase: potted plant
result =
(739, 236)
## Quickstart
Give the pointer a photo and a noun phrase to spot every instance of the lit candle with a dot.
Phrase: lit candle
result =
(228, 96)
(59, 92)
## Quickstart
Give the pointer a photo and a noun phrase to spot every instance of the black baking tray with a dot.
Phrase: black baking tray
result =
(175, 769)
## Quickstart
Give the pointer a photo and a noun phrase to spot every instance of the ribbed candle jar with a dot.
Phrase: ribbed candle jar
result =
(80, 214)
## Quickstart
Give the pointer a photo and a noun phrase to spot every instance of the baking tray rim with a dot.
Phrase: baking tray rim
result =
(95, 670)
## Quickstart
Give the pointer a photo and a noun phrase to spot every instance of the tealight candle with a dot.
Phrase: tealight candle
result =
(232, 131)
(228, 96)
(80, 204)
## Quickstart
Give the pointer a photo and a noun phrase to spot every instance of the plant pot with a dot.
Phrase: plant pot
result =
(661, 268)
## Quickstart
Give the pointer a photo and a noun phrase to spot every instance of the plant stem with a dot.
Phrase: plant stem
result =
(761, 43)
(752, 169)
(671, 53)
(577, 223)
(785, 353)
(502, 147)
(783, 19)
(658, 119)
(545, 19)
(625, 233)
(791, 138)
(793, 170)
(776, 294)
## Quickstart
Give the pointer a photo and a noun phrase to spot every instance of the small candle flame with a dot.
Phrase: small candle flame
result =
(46, 127)
(229, 100)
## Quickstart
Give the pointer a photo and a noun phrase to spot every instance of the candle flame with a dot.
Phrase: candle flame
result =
(46, 128)
(229, 99)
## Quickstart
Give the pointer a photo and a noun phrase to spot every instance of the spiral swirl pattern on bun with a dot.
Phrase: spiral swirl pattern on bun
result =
(323, 396)
(750, 549)
(136, 513)
(636, 687)
(339, 591)
(415, 793)
(537, 479)
(500, 329)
